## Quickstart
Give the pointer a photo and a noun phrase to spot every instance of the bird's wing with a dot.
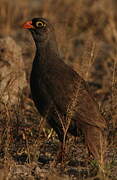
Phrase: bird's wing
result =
(88, 110)
(69, 93)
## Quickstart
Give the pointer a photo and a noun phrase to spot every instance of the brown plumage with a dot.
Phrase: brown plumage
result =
(60, 94)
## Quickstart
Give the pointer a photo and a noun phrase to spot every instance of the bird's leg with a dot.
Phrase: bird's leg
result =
(61, 153)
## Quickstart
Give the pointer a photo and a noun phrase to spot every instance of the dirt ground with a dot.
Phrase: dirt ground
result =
(86, 33)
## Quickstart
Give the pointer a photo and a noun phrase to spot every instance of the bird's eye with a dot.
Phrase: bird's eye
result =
(39, 24)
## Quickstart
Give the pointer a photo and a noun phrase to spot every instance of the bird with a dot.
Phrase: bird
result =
(60, 94)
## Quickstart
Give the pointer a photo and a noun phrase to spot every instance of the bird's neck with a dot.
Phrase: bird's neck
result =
(45, 52)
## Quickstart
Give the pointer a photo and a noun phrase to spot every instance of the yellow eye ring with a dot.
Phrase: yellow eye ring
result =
(39, 24)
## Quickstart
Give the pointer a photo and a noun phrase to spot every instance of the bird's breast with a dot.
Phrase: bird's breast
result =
(39, 93)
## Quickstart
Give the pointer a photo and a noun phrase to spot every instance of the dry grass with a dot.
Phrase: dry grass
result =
(87, 35)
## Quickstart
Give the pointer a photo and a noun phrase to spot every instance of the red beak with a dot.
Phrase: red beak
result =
(28, 25)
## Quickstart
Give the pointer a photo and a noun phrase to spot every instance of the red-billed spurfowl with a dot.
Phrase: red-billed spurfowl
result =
(60, 94)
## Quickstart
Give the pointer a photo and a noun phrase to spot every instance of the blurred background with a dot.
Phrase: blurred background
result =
(86, 32)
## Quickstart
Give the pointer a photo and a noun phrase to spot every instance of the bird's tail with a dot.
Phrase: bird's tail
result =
(96, 141)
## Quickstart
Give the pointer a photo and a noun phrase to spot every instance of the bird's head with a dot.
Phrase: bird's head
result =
(42, 31)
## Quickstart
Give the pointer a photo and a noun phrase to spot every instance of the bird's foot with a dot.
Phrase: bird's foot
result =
(61, 153)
